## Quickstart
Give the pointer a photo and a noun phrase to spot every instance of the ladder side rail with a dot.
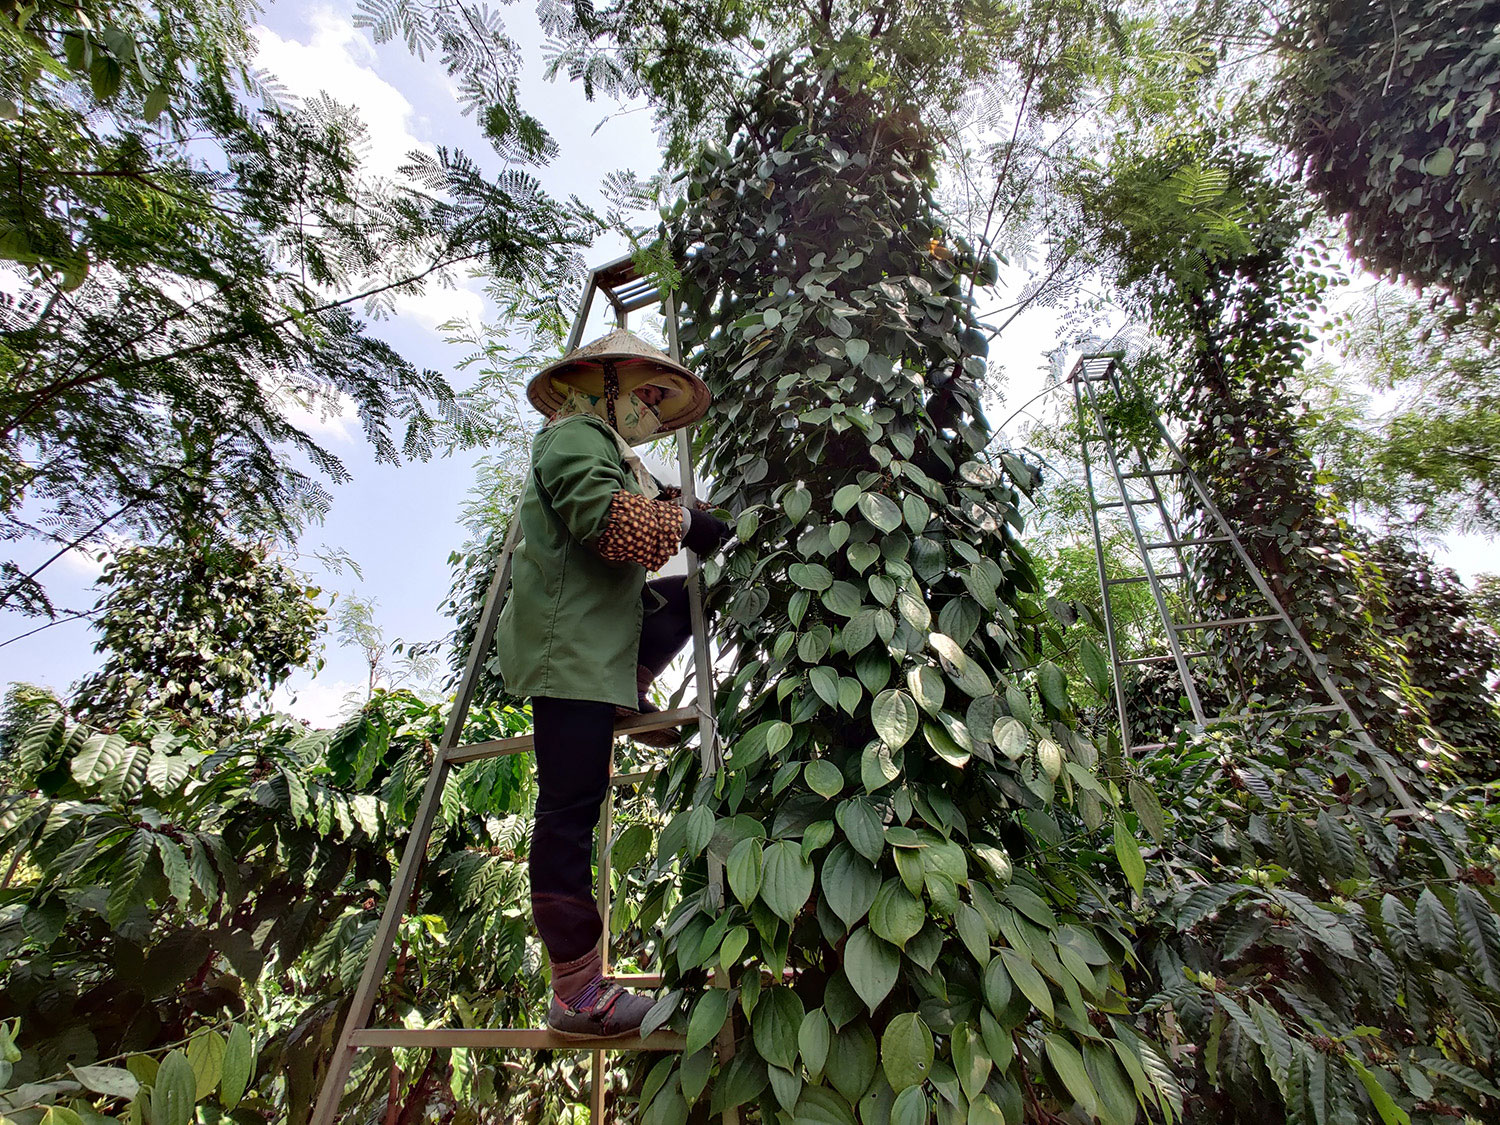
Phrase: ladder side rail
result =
(1104, 584)
(363, 1004)
(484, 635)
(708, 741)
(596, 1093)
(1189, 688)
(575, 335)
(598, 1067)
(601, 882)
(708, 737)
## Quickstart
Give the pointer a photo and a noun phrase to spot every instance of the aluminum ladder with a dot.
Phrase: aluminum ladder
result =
(1100, 381)
(621, 285)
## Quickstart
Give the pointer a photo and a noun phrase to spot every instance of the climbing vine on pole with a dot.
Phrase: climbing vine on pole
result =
(918, 918)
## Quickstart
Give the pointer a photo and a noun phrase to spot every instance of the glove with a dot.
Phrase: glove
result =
(706, 533)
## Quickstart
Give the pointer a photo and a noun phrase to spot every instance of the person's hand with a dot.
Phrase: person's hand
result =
(706, 533)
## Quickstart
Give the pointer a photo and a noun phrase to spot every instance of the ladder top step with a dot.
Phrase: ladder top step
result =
(624, 287)
(521, 744)
(520, 1038)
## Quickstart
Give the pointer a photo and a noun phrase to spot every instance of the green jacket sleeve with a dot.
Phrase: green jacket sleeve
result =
(578, 472)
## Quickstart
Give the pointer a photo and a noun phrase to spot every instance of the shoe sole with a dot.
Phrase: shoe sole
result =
(645, 739)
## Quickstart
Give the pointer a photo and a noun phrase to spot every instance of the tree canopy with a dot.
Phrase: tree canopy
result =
(1389, 106)
(193, 255)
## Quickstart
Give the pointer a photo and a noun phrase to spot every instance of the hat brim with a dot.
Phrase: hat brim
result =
(687, 400)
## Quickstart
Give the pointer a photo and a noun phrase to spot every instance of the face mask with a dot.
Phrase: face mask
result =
(634, 420)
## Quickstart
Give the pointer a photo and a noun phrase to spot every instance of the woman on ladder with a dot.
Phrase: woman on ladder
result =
(584, 634)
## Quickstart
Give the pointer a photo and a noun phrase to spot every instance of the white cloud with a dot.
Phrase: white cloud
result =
(88, 565)
(339, 58)
(321, 703)
(323, 421)
(437, 305)
(88, 562)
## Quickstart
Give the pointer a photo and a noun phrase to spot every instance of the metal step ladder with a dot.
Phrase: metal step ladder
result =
(626, 291)
(1101, 382)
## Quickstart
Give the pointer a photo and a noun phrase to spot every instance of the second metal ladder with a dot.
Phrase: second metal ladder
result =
(626, 291)
(1100, 384)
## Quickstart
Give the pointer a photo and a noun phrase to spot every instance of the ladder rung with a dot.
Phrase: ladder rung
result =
(1225, 622)
(629, 304)
(1153, 473)
(646, 981)
(1164, 658)
(1187, 542)
(1142, 578)
(1321, 709)
(526, 1038)
(621, 780)
(1132, 500)
(1149, 746)
(635, 724)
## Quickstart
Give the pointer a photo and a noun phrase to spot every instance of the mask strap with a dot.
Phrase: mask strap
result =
(611, 392)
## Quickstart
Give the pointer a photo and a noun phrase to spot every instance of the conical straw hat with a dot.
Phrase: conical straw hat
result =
(636, 362)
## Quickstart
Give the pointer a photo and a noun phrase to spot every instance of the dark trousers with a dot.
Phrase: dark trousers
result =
(573, 739)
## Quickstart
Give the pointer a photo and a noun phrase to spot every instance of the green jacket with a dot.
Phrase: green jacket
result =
(571, 627)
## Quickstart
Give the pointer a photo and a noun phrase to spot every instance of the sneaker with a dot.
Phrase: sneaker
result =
(617, 1014)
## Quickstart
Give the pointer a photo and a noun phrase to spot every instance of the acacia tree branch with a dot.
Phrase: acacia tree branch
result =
(175, 470)
(50, 624)
(92, 375)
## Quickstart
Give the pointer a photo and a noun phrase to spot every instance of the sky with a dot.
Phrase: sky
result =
(399, 523)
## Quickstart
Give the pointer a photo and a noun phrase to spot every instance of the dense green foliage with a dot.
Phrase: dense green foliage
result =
(1428, 457)
(1390, 106)
(1322, 955)
(174, 880)
(908, 816)
(197, 630)
(1452, 657)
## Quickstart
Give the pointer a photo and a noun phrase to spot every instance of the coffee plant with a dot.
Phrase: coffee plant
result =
(210, 895)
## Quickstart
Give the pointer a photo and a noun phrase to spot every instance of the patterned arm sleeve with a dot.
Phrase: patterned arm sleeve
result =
(646, 532)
